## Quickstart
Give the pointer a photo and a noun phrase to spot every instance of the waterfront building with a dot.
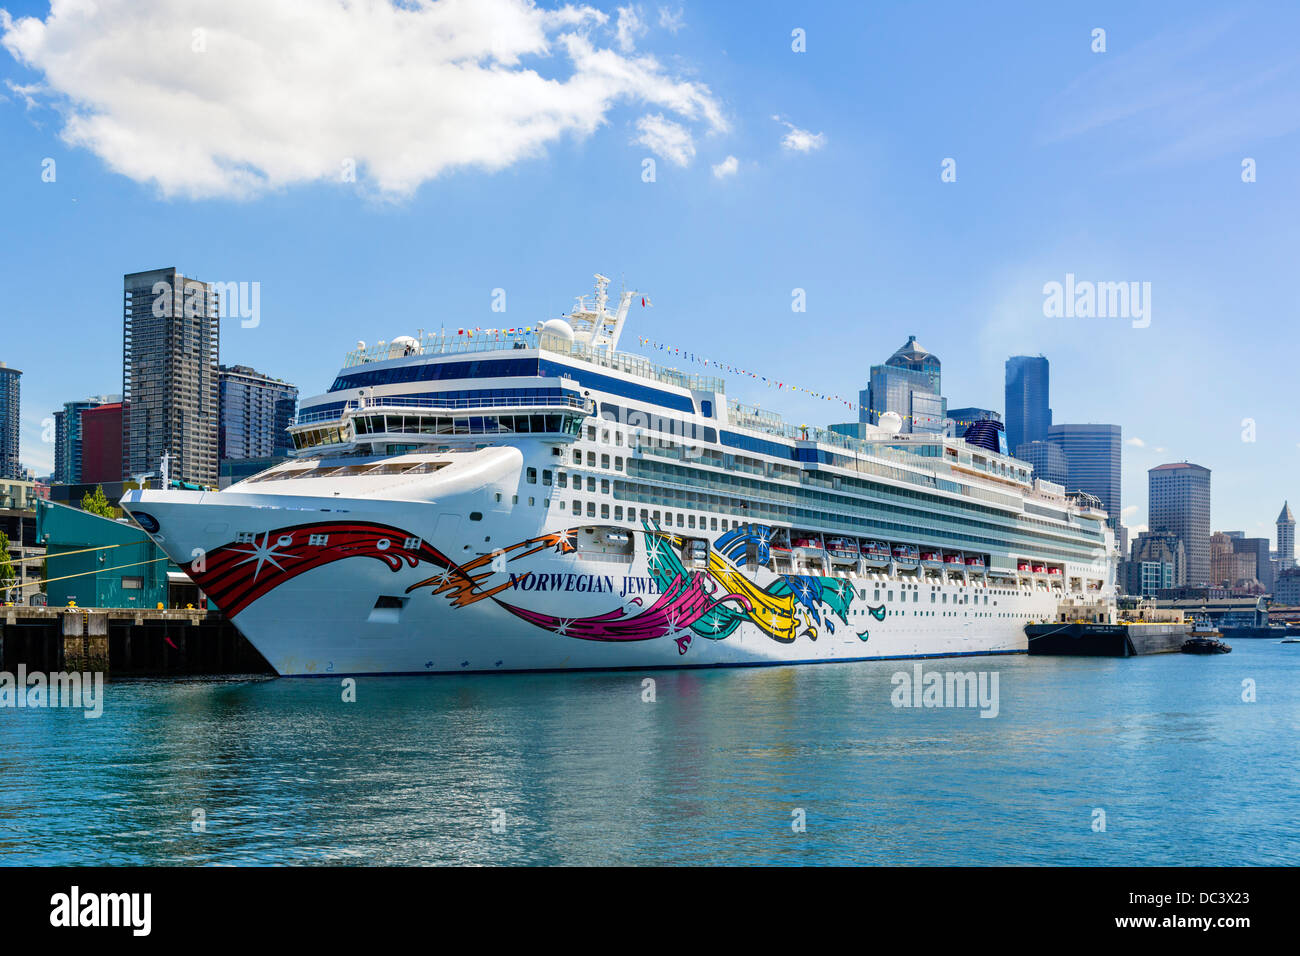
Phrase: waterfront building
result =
(908, 383)
(69, 437)
(1048, 459)
(1028, 415)
(256, 412)
(1257, 549)
(171, 336)
(1287, 589)
(1092, 454)
(137, 576)
(1285, 538)
(10, 421)
(101, 443)
(1158, 560)
(1180, 503)
(1230, 567)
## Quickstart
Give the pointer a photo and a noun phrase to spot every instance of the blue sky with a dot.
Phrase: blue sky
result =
(500, 147)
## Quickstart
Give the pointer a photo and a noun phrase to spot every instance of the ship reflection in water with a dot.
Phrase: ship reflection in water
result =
(582, 769)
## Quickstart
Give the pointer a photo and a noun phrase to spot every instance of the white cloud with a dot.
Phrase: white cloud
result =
(666, 139)
(1128, 511)
(1135, 442)
(726, 168)
(671, 20)
(800, 140)
(629, 28)
(281, 97)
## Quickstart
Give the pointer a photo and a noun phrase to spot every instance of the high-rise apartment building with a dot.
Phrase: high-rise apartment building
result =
(10, 422)
(256, 412)
(170, 342)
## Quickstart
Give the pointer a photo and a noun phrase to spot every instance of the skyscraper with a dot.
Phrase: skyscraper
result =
(10, 419)
(1048, 459)
(1092, 454)
(1027, 413)
(1180, 504)
(1158, 561)
(963, 418)
(1285, 538)
(256, 411)
(170, 341)
(908, 383)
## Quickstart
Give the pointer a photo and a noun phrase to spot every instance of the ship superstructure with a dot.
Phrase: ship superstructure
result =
(524, 499)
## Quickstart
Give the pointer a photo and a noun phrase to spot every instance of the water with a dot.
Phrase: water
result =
(585, 772)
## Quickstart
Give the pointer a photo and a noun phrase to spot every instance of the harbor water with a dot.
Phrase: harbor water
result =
(1151, 760)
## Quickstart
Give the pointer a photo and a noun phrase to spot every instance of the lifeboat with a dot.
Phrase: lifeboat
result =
(842, 550)
(975, 561)
(931, 558)
(953, 557)
(1023, 566)
(1040, 569)
(1055, 572)
(905, 555)
(876, 553)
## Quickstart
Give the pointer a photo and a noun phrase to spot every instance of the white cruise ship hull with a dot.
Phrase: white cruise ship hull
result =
(371, 599)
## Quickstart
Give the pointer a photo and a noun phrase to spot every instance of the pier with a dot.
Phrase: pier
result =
(125, 642)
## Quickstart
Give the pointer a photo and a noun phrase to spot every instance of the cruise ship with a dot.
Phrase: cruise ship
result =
(535, 499)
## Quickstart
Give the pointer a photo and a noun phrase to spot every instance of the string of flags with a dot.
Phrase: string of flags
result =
(771, 382)
(478, 330)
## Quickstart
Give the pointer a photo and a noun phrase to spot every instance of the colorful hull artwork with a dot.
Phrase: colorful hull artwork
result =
(709, 603)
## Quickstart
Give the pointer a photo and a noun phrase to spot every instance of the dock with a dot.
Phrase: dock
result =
(125, 642)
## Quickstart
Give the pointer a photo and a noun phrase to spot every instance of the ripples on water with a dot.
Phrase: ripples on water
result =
(586, 773)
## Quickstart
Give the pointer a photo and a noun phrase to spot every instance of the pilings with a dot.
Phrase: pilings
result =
(125, 642)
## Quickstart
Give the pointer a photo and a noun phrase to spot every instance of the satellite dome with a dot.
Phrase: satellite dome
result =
(559, 328)
(891, 422)
(402, 345)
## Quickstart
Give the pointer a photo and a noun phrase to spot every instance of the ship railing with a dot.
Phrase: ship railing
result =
(443, 404)
(497, 340)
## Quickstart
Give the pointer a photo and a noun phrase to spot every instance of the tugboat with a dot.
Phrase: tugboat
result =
(1205, 645)
(1204, 639)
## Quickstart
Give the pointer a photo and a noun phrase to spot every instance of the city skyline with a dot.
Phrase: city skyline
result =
(337, 263)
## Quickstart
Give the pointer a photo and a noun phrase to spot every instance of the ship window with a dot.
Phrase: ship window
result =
(591, 433)
(618, 438)
(604, 486)
(546, 476)
(604, 436)
(604, 461)
(577, 457)
(618, 512)
(706, 408)
(577, 506)
(591, 485)
(514, 499)
(498, 496)
(476, 516)
(562, 479)
(591, 459)
(318, 540)
(532, 476)
(531, 501)
(618, 463)
(713, 524)
(656, 517)
(604, 511)
(591, 509)
(132, 582)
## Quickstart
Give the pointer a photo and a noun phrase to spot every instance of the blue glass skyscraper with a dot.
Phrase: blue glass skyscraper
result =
(1028, 416)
